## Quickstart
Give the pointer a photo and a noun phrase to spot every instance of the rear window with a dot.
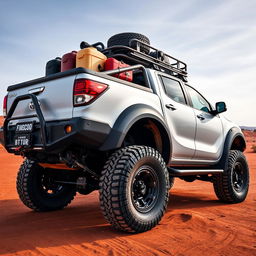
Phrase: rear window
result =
(173, 90)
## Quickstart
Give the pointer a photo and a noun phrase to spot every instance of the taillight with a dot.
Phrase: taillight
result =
(86, 91)
(5, 106)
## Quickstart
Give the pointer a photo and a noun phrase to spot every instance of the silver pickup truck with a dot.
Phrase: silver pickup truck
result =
(81, 131)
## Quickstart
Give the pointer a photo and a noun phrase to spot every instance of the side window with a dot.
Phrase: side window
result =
(173, 90)
(198, 101)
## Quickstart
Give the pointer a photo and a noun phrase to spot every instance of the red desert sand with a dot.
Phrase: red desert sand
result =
(195, 223)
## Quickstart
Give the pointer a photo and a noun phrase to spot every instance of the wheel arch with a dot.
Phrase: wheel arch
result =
(132, 117)
(234, 141)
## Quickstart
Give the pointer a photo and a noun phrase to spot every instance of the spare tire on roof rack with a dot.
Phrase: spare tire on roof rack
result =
(125, 38)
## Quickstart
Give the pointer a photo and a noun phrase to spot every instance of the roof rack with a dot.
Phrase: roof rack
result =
(155, 58)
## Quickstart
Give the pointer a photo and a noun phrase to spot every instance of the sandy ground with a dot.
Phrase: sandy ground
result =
(195, 223)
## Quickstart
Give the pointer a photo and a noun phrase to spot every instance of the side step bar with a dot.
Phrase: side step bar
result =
(190, 172)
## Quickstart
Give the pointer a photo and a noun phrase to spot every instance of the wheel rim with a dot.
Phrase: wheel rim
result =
(239, 177)
(145, 189)
(49, 186)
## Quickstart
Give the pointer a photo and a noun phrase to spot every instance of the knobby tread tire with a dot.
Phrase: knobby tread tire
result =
(124, 39)
(114, 185)
(29, 195)
(222, 183)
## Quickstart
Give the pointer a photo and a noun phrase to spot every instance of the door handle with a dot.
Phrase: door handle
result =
(201, 117)
(170, 106)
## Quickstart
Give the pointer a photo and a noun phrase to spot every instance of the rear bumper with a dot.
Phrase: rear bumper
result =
(87, 133)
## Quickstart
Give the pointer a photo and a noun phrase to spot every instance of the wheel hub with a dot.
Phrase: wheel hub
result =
(49, 186)
(141, 187)
(145, 189)
(238, 177)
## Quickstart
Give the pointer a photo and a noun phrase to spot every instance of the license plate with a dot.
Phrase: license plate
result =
(22, 140)
(24, 127)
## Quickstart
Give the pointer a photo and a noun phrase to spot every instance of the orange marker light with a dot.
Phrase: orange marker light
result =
(68, 128)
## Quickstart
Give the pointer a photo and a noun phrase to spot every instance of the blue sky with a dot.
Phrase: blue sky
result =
(217, 39)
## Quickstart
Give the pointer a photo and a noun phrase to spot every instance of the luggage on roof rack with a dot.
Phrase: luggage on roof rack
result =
(155, 59)
(112, 63)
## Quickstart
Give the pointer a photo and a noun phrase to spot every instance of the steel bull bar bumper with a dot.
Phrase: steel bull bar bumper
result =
(53, 136)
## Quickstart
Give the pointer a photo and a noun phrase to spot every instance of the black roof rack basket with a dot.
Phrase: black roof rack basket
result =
(155, 59)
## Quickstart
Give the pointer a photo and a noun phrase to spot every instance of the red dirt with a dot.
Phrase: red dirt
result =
(195, 223)
(250, 137)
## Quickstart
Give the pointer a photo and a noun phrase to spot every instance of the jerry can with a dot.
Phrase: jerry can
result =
(68, 61)
(53, 66)
(90, 58)
(112, 63)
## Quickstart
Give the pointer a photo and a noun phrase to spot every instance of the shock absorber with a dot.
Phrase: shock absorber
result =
(70, 160)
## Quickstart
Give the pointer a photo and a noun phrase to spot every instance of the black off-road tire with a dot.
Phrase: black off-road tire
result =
(34, 195)
(124, 39)
(126, 204)
(232, 185)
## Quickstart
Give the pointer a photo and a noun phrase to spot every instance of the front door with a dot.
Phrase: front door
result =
(209, 132)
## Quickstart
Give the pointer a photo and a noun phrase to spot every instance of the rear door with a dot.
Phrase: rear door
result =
(180, 118)
(209, 132)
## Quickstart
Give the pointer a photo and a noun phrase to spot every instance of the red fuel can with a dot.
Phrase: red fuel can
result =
(112, 63)
(68, 61)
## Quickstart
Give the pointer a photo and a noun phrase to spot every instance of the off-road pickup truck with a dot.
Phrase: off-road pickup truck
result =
(81, 131)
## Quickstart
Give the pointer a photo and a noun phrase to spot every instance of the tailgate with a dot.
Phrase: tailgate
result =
(55, 98)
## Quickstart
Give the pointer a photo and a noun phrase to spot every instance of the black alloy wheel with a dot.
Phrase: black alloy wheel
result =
(232, 185)
(145, 189)
(134, 189)
(38, 190)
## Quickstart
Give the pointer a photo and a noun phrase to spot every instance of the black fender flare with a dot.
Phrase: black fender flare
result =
(125, 121)
(232, 134)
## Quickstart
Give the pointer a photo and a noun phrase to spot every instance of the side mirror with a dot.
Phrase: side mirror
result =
(220, 107)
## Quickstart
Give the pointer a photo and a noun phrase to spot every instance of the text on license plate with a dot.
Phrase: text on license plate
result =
(24, 127)
(22, 140)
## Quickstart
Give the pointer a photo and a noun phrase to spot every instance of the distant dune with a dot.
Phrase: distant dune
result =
(250, 136)
(248, 128)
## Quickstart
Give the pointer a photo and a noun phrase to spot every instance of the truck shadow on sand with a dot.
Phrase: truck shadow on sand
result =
(188, 201)
(22, 229)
